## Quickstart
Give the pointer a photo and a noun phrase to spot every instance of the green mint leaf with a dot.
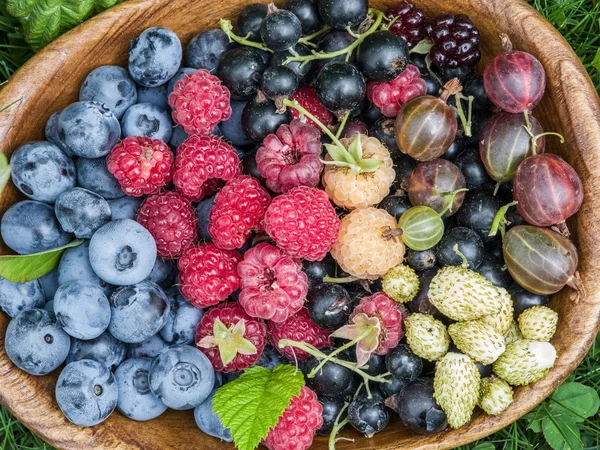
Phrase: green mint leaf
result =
(23, 268)
(253, 403)
(562, 433)
(575, 400)
(535, 419)
(4, 171)
(484, 446)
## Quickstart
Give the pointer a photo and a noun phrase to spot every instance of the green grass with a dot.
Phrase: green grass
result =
(579, 22)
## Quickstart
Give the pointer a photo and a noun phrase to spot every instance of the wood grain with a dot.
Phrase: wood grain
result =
(51, 81)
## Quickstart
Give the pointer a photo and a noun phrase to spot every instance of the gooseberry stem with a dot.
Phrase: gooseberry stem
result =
(499, 222)
(337, 426)
(534, 137)
(452, 198)
(327, 279)
(342, 125)
(464, 120)
(465, 263)
(306, 39)
(338, 350)
(295, 105)
(227, 28)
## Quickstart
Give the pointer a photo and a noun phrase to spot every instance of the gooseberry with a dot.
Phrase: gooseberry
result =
(421, 228)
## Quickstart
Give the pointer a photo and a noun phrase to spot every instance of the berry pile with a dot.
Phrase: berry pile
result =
(297, 190)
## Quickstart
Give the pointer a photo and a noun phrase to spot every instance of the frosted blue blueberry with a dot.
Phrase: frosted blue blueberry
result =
(204, 208)
(122, 252)
(111, 86)
(146, 119)
(49, 306)
(137, 312)
(49, 283)
(17, 297)
(124, 207)
(163, 273)
(51, 130)
(86, 392)
(205, 49)
(178, 137)
(105, 349)
(81, 212)
(182, 321)
(136, 400)
(209, 422)
(181, 376)
(182, 72)
(75, 265)
(271, 358)
(155, 95)
(232, 127)
(30, 227)
(82, 309)
(148, 348)
(42, 171)
(93, 175)
(35, 343)
(154, 56)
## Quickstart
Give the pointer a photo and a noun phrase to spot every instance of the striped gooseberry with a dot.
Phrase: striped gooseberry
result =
(421, 228)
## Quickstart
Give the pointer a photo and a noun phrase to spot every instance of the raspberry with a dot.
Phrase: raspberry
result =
(141, 165)
(273, 284)
(199, 102)
(238, 210)
(391, 96)
(296, 428)
(409, 23)
(208, 275)
(230, 338)
(308, 99)
(456, 41)
(303, 223)
(202, 161)
(171, 220)
(300, 328)
(290, 158)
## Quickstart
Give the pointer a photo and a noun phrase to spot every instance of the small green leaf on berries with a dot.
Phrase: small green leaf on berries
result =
(423, 47)
(253, 403)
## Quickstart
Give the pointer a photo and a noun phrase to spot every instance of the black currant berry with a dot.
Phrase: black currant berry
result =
(484, 371)
(332, 42)
(460, 72)
(241, 70)
(396, 386)
(494, 249)
(477, 213)
(340, 14)
(476, 177)
(523, 299)
(280, 30)
(492, 269)
(385, 131)
(329, 305)
(478, 121)
(340, 87)
(469, 244)
(421, 303)
(308, 13)
(396, 205)
(434, 87)
(317, 270)
(279, 82)
(403, 364)
(375, 365)
(421, 261)
(331, 409)
(304, 72)
(330, 380)
(371, 114)
(419, 60)
(260, 118)
(249, 21)
(382, 56)
(454, 150)
(368, 416)
(473, 86)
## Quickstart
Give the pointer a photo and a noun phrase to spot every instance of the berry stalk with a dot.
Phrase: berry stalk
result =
(452, 196)
(227, 28)
(465, 263)
(499, 222)
(328, 279)
(306, 40)
(535, 137)
(337, 426)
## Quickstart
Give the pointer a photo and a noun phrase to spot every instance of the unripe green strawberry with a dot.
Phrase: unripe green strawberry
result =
(401, 283)
(502, 320)
(456, 387)
(462, 294)
(480, 341)
(525, 361)
(538, 323)
(495, 395)
(513, 334)
(427, 337)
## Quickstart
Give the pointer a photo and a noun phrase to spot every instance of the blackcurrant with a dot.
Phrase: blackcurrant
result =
(396, 205)
(317, 270)
(249, 21)
(403, 364)
(478, 212)
(260, 118)
(492, 269)
(241, 71)
(280, 30)
(368, 416)
(523, 299)
(467, 242)
(375, 365)
(304, 72)
(396, 386)
(473, 86)
(371, 115)
(340, 87)
(340, 14)
(474, 171)
(433, 85)
(308, 13)
(279, 82)
(454, 150)
(331, 409)
(329, 305)
(494, 249)
(460, 72)
(419, 60)
(421, 261)
(333, 41)
(330, 380)
(385, 131)
(382, 56)
(478, 121)
(484, 371)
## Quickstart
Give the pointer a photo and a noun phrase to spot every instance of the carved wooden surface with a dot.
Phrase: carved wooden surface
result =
(51, 81)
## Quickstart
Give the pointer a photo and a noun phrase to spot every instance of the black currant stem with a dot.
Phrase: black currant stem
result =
(464, 120)
(306, 39)
(452, 197)
(338, 133)
(295, 105)
(496, 188)
(338, 350)
(337, 426)
(327, 279)
(352, 33)
(388, 25)
(499, 220)
(428, 63)
(535, 137)
(465, 263)
(227, 28)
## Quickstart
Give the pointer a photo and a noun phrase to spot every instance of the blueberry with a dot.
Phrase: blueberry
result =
(49, 283)
(105, 349)
(17, 297)
(136, 401)
(88, 129)
(82, 309)
(232, 127)
(81, 212)
(49, 306)
(249, 21)
(35, 343)
(182, 320)
(111, 86)
(138, 312)
(148, 348)
(271, 358)
(42, 171)
(86, 392)
(181, 73)
(75, 265)
(149, 120)
(181, 376)
(93, 175)
(241, 71)
(163, 274)
(177, 137)
(122, 252)
(154, 56)
(156, 95)
(30, 227)
(205, 49)
(124, 207)
(51, 129)
(209, 422)
(204, 209)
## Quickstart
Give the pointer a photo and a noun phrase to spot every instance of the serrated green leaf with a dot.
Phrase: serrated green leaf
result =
(4, 171)
(253, 403)
(20, 8)
(575, 400)
(484, 446)
(562, 433)
(23, 268)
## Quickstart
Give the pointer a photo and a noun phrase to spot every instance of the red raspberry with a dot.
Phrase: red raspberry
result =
(199, 102)
(290, 158)
(296, 428)
(409, 23)
(230, 338)
(141, 165)
(208, 275)
(300, 328)
(171, 220)
(391, 96)
(303, 223)
(202, 160)
(239, 209)
(308, 99)
(273, 284)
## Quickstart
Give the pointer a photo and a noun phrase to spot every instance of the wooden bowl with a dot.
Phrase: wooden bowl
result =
(51, 81)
